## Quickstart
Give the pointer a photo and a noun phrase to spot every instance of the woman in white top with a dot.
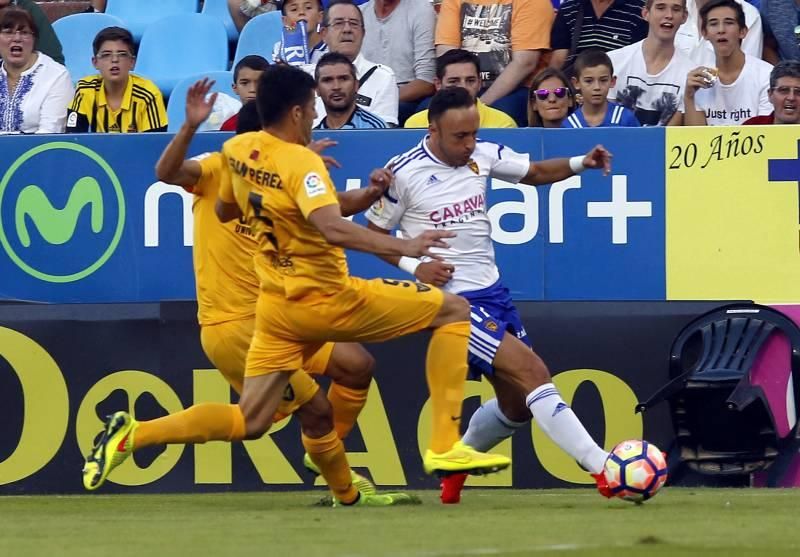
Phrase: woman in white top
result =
(35, 90)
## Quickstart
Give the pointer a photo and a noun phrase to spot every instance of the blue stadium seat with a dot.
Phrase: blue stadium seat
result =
(259, 36)
(176, 108)
(138, 14)
(178, 46)
(76, 33)
(219, 8)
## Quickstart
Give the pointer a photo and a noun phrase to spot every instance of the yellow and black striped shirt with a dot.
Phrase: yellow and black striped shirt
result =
(142, 108)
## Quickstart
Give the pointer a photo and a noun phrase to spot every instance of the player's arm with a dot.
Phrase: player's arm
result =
(356, 201)
(172, 167)
(341, 232)
(226, 207)
(555, 170)
(435, 272)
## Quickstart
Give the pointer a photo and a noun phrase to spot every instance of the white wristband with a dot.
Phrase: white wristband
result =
(576, 164)
(409, 264)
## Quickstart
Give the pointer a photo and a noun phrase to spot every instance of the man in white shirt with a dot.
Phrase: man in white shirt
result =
(441, 184)
(651, 74)
(343, 32)
(690, 38)
(736, 89)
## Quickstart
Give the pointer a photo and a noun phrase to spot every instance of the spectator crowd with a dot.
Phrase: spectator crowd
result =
(585, 63)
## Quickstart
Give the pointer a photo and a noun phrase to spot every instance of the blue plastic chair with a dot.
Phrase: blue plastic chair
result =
(176, 107)
(219, 9)
(138, 14)
(76, 33)
(179, 46)
(259, 36)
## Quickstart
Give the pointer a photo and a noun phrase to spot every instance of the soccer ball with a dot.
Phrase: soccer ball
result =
(635, 470)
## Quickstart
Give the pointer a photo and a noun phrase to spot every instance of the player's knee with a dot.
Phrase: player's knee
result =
(526, 372)
(362, 371)
(356, 372)
(454, 309)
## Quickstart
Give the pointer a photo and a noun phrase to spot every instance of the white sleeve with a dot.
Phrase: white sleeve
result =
(53, 113)
(507, 164)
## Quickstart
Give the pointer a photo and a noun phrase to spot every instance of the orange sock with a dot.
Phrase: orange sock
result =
(347, 405)
(446, 371)
(327, 452)
(207, 421)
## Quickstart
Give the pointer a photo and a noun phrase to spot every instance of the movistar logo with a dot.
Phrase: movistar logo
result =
(57, 226)
(62, 212)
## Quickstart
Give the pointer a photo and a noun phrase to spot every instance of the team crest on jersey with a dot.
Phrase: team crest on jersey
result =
(473, 166)
(314, 184)
(377, 208)
(254, 154)
(491, 326)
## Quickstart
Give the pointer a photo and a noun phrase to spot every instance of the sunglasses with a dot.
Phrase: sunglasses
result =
(542, 94)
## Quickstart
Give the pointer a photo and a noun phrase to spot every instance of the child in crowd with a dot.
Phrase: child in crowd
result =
(290, 49)
(594, 76)
(116, 101)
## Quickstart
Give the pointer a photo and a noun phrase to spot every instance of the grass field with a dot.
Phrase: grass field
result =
(487, 523)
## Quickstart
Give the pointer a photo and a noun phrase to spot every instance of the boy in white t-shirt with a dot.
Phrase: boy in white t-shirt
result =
(651, 74)
(737, 89)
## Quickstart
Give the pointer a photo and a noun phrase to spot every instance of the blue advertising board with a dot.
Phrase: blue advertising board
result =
(83, 219)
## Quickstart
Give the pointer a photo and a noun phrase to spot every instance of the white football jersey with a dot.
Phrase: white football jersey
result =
(429, 194)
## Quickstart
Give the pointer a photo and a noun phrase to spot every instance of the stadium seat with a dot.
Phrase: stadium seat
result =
(732, 416)
(76, 33)
(138, 14)
(179, 46)
(219, 9)
(259, 36)
(177, 100)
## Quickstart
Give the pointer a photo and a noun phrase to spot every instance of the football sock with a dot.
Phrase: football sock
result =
(347, 405)
(207, 421)
(327, 452)
(561, 424)
(446, 372)
(488, 426)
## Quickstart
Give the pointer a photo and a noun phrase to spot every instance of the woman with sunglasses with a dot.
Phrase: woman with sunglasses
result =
(551, 100)
(34, 89)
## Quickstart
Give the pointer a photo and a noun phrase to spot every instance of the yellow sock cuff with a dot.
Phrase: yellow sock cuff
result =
(328, 442)
(460, 328)
(348, 394)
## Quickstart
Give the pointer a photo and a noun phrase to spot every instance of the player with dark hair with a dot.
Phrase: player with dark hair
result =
(441, 185)
(245, 80)
(227, 290)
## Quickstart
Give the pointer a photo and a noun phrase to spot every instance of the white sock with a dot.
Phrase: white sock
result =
(561, 424)
(488, 426)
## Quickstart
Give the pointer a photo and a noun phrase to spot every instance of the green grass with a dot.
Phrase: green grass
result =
(487, 523)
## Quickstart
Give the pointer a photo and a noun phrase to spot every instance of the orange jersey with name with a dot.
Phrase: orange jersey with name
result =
(277, 185)
(227, 284)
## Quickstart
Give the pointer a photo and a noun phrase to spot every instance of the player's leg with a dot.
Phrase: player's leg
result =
(523, 373)
(349, 367)
(382, 309)
(226, 346)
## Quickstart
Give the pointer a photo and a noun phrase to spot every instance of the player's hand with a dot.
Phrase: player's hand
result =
(379, 181)
(319, 145)
(421, 245)
(198, 107)
(598, 158)
(437, 273)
